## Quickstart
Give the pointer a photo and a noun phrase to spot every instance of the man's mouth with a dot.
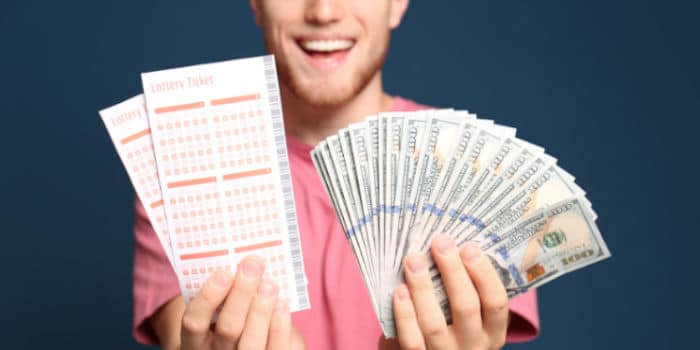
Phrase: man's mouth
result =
(320, 47)
(326, 54)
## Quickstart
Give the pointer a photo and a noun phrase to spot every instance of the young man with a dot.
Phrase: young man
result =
(329, 56)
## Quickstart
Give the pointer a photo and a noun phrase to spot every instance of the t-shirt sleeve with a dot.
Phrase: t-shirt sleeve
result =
(524, 318)
(155, 282)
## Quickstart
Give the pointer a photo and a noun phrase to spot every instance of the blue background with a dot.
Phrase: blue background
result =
(610, 87)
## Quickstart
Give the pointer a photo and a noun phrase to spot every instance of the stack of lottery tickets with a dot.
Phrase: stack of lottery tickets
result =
(205, 149)
(399, 179)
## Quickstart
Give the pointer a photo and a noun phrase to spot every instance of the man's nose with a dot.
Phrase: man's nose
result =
(324, 11)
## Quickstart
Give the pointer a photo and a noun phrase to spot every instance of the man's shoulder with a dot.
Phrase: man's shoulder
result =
(402, 104)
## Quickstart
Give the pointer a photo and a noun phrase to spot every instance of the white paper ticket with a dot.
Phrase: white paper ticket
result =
(221, 155)
(127, 125)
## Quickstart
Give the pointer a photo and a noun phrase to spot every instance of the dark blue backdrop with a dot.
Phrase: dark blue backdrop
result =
(609, 87)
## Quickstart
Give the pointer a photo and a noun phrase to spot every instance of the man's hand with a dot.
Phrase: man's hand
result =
(251, 316)
(478, 301)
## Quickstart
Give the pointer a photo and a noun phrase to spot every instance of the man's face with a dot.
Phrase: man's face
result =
(328, 50)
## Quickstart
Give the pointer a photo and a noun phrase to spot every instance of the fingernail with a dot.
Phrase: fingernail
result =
(471, 252)
(222, 279)
(416, 263)
(266, 289)
(445, 245)
(251, 267)
(402, 292)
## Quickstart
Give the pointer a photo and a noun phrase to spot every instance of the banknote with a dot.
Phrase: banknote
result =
(325, 159)
(484, 147)
(546, 245)
(357, 135)
(411, 143)
(381, 175)
(498, 195)
(440, 136)
(529, 161)
(508, 152)
(547, 188)
(348, 165)
(394, 124)
(432, 210)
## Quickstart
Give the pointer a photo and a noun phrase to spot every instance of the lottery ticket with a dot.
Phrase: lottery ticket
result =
(128, 127)
(220, 152)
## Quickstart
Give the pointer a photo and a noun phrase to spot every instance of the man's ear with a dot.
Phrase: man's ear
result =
(396, 12)
(255, 6)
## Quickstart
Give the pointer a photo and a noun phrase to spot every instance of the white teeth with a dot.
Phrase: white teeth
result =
(326, 45)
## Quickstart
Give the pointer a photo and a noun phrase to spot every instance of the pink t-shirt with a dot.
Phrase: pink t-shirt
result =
(341, 314)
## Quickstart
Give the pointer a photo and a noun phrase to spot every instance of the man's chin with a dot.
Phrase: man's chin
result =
(323, 96)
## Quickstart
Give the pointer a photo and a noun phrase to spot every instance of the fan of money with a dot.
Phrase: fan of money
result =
(398, 179)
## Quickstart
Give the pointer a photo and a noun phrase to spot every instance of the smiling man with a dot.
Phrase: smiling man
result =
(329, 56)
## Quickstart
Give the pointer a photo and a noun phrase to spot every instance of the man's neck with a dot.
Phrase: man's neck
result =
(312, 125)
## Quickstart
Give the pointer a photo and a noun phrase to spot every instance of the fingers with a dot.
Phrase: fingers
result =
(494, 299)
(429, 315)
(200, 311)
(257, 323)
(280, 336)
(407, 329)
(232, 318)
(463, 297)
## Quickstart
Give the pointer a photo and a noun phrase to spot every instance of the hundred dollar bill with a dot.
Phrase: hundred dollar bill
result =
(514, 154)
(365, 181)
(381, 173)
(341, 155)
(395, 123)
(508, 149)
(440, 136)
(347, 158)
(524, 238)
(572, 181)
(338, 164)
(515, 177)
(334, 166)
(321, 162)
(549, 243)
(532, 193)
(506, 157)
(412, 140)
(507, 152)
(328, 183)
(483, 148)
(431, 211)
(373, 153)
(403, 141)
(501, 130)
(503, 183)
(384, 144)
(439, 133)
